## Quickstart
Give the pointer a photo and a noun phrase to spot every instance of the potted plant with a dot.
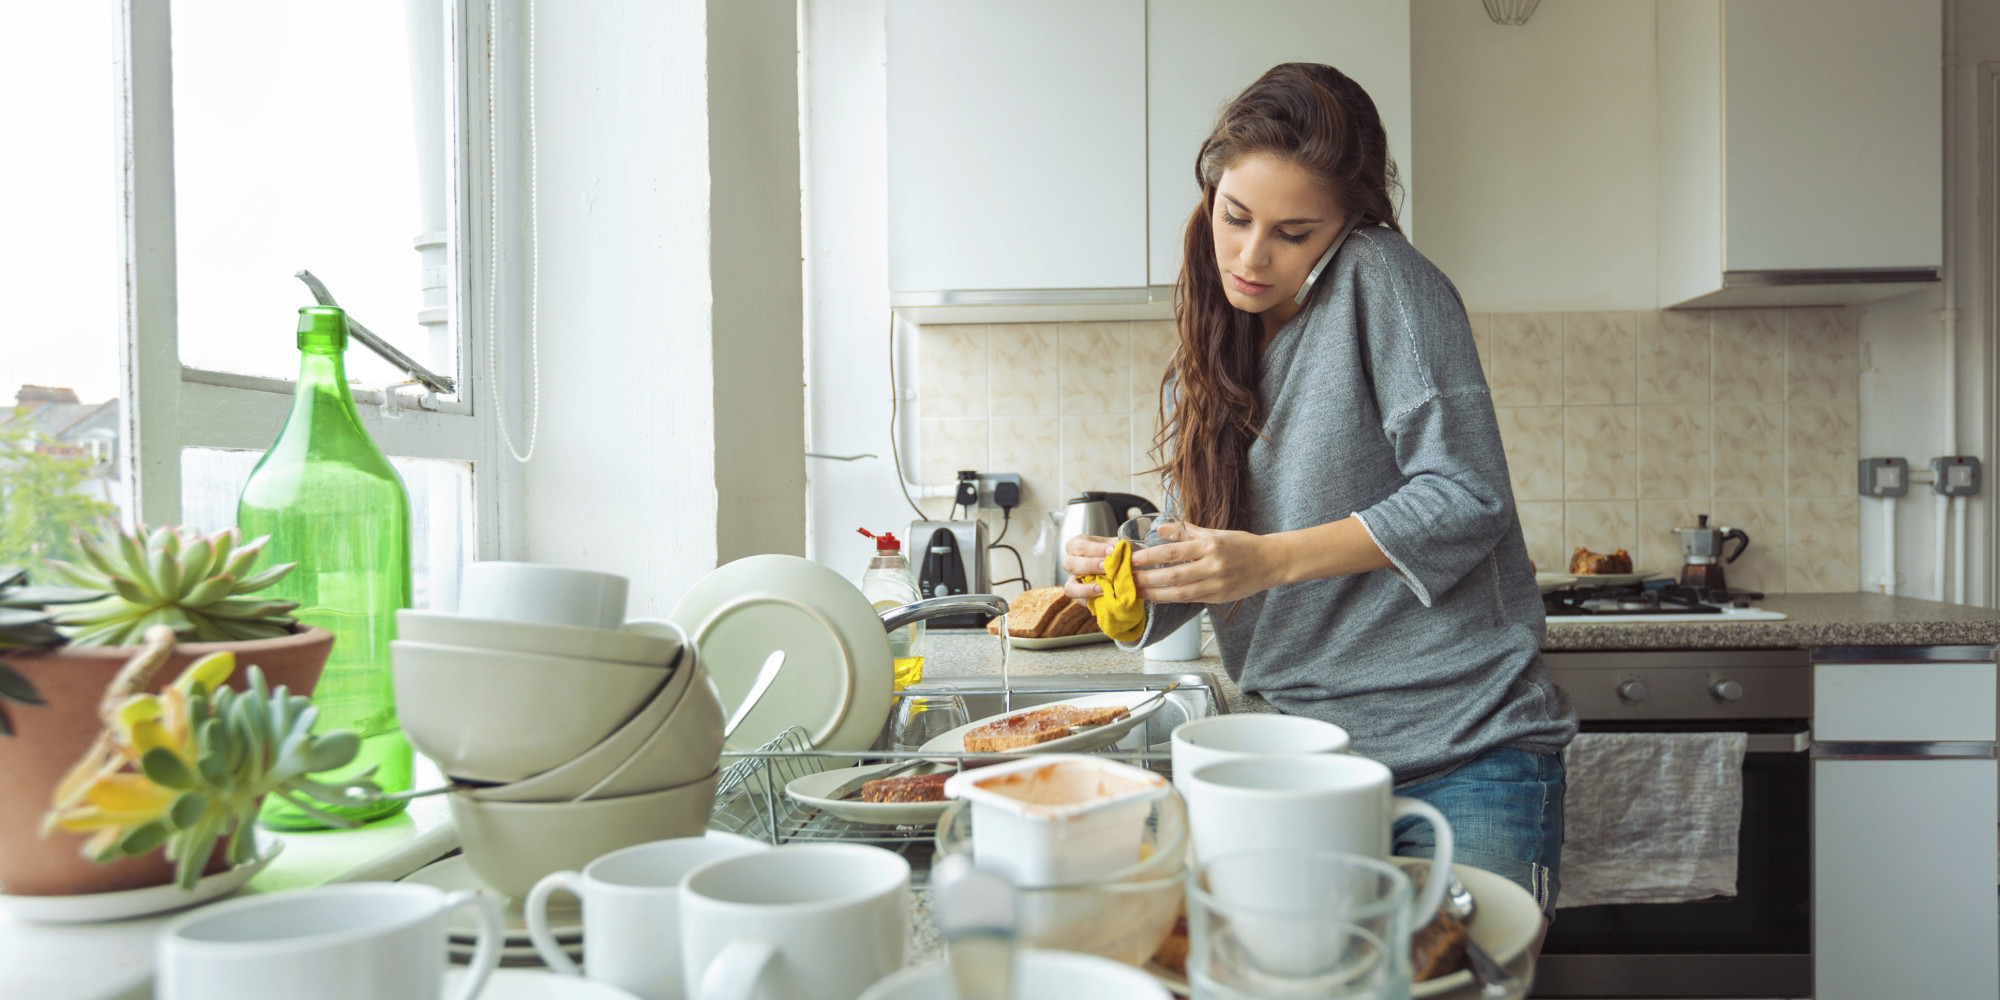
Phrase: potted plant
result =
(183, 772)
(63, 647)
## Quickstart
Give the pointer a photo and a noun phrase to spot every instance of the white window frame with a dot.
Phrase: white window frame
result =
(169, 407)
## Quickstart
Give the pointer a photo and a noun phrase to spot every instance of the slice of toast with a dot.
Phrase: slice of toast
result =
(1073, 619)
(1031, 612)
(1015, 732)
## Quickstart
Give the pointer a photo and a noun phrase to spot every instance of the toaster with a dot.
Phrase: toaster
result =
(949, 557)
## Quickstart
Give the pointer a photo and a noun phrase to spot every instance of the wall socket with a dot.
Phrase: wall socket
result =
(1884, 477)
(1957, 475)
(989, 480)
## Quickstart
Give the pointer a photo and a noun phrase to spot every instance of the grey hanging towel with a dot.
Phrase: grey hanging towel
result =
(1651, 817)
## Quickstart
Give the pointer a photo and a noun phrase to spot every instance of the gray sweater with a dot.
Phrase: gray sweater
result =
(1374, 404)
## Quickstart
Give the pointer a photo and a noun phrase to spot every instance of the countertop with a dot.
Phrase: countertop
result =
(1814, 620)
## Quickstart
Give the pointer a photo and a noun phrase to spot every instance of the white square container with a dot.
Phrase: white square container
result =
(1083, 816)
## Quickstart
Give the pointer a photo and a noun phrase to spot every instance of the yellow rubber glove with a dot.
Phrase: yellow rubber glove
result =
(1119, 611)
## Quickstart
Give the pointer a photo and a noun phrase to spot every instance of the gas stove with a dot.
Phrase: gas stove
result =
(1657, 603)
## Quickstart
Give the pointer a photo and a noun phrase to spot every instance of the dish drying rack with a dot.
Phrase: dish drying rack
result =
(750, 797)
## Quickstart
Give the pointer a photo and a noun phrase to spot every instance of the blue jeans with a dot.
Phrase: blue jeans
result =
(1505, 807)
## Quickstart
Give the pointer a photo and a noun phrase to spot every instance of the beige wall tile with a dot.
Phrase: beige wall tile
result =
(947, 445)
(1823, 354)
(1673, 356)
(1032, 447)
(1764, 563)
(1674, 456)
(1600, 358)
(1822, 444)
(1599, 527)
(1542, 529)
(1152, 350)
(1533, 437)
(1659, 548)
(1096, 366)
(1096, 454)
(951, 371)
(1022, 380)
(1482, 340)
(1600, 452)
(1748, 359)
(1823, 545)
(1749, 444)
(1525, 367)
(1024, 528)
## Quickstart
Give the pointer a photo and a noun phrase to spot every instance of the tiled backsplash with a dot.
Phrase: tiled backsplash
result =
(1619, 427)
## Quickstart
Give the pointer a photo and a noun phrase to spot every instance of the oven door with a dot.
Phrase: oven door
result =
(1758, 944)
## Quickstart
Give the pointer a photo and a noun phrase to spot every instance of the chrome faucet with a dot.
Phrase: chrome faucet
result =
(954, 604)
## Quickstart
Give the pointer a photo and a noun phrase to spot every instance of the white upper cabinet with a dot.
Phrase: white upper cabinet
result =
(1201, 53)
(1017, 144)
(1801, 151)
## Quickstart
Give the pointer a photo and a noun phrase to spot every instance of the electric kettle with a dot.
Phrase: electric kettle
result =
(1099, 514)
(1701, 553)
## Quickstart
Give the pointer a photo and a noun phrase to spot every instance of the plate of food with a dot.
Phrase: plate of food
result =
(909, 797)
(1043, 618)
(1050, 728)
(1546, 582)
(1602, 569)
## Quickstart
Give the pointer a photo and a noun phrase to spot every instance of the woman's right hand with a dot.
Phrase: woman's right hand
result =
(1084, 556)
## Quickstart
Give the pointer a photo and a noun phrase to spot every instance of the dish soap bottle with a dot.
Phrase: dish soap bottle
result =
(330, 500)
(887, 584)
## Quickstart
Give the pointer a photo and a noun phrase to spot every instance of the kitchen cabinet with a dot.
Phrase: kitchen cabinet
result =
(1017, 144)
(1200, 53)
(1801, 152)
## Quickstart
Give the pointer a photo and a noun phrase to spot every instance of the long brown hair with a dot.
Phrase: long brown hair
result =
(1317, 118)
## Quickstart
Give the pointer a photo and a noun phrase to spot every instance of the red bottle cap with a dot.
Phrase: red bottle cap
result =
(884, 542)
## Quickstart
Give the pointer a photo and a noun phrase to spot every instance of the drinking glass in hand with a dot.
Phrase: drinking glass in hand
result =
(1148, 530)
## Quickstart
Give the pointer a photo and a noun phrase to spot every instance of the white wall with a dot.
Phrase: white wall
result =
(1535, 153)
(665, 442)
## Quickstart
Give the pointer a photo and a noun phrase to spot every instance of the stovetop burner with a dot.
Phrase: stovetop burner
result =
(1639, 599)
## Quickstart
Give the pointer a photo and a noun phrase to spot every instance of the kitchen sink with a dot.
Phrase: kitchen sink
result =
(1197, 697)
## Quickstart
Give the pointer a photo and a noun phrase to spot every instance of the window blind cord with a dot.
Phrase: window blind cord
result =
(493, 243)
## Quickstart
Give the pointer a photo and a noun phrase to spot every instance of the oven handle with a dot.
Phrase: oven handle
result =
(1798, 742)
(1942, 750)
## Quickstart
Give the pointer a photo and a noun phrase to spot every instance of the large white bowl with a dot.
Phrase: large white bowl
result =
(622, 645)
(675, 739)
(489, 715)
(511, 845)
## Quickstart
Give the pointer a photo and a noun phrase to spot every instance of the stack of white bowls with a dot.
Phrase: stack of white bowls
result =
(587, 733)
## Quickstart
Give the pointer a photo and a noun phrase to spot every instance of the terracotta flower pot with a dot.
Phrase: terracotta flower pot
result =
(50, 738)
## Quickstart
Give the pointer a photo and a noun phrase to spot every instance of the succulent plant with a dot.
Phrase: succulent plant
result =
(25, 623)
(188, 767)
(179, 578)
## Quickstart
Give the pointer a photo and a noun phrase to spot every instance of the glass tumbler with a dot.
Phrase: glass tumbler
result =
(921, 718)
(1288, 925)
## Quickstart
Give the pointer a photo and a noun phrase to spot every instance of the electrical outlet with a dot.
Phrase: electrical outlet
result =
(1884, 477)
(989, 480)
(1956, 475)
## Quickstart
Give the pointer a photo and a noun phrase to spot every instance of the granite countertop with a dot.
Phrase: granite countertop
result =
(1814, 620)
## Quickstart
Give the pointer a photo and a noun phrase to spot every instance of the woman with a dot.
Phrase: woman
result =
(1358, 544)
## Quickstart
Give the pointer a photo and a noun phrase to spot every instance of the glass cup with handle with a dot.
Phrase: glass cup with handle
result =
(1280, 924)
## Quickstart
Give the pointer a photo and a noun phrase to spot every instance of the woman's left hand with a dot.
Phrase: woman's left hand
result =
(1213, 567)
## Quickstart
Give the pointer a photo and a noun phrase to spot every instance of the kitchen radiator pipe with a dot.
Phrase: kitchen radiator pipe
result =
(1889, 546)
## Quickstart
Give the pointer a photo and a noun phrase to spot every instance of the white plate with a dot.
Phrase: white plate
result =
(1612, 579)
(535, 984)
(1504, 923)
(1089, 739)
(455, 873)
(1546, 582)
(837, 677)
(813, 789)
(1057, 642)
(626, 645)
(99, 906)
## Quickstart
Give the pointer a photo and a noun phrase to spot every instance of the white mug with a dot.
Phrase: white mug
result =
(1201, 742)
(1312, 802)
(631, 912)
(381, 940)
(1183, 643)
(804, 922)
(1044, 975)
(534, 592)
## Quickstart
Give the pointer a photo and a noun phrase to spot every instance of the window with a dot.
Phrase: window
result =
(319, 137)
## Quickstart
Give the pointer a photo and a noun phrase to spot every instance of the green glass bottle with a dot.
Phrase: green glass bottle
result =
(330, 500)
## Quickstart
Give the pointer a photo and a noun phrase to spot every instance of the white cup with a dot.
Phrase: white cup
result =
(1201, 742)
(1312, 802)
(381, 940)
(805, 922)
(534, 592)
(1183, 643)
(1044, 975)
(631, 912)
